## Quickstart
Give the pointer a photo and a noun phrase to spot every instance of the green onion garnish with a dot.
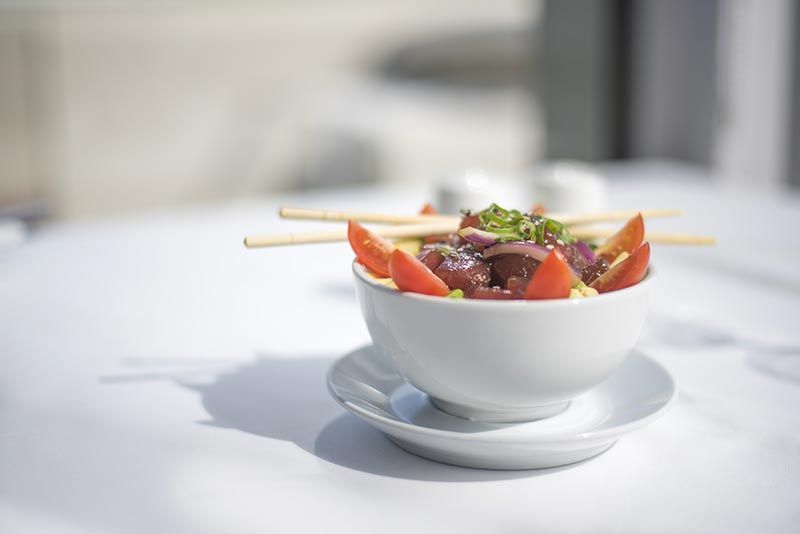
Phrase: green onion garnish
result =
(512, 225)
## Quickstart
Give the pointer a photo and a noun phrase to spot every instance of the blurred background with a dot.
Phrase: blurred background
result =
(118, 106)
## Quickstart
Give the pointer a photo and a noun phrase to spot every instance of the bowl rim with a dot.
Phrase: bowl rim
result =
(361, 274)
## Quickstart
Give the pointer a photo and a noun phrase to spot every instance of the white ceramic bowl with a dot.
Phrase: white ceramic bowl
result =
(502, 361)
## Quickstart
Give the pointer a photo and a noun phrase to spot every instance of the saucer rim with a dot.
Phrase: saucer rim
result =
(493, 436)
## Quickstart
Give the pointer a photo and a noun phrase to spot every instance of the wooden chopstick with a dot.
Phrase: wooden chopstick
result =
(662, 238)
(445, 227)
(366, 217)
(610, 216)
(388, 218)
(399, 231)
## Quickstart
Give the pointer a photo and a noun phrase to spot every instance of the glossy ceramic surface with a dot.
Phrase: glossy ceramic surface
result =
(366, 385)
(502, 361)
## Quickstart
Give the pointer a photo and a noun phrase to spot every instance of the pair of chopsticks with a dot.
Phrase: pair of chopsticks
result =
(416, 226)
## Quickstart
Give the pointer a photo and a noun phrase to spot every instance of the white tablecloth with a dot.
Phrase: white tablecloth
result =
(157, 377)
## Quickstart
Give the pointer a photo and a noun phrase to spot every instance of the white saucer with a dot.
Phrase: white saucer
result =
(364, 383)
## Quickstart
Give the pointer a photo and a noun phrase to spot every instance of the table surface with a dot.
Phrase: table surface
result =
(157, 377)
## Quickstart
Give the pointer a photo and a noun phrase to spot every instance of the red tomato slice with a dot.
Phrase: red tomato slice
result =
(428, 209)
(627, 240)
(371, 250)
(410, 274)
(626, 273)
(551, 280)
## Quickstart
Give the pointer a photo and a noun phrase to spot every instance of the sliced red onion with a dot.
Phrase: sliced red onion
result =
(586, 251)
(479, 237)
(527, 248)
(522, 248)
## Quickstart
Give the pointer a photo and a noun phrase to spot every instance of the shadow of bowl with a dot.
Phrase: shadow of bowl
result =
(286, 399)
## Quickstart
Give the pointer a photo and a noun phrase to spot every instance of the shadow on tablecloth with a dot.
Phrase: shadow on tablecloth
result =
(776, 360)
(286, 399)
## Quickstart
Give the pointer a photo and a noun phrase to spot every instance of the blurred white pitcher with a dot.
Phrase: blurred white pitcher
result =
(568, 186)
(476, 189)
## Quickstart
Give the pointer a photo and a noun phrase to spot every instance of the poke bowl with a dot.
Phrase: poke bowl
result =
(498, 328)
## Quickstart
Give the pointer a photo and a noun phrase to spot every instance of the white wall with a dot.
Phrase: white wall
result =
(110, 106)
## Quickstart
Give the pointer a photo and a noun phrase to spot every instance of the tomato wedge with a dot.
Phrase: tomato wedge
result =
(428, 209)
(627, 240)
(626, 273)
(551, 280)
(410, 274)
(371, 250)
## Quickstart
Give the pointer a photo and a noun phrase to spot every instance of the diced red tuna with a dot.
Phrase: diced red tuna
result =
(463, 268)
(431, 257)
(490, 293)
(504, 267)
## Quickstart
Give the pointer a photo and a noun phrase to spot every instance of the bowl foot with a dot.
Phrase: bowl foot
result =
(514, 415)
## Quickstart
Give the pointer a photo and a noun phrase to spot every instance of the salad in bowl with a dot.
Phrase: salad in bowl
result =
(502, 254)
(508, 318)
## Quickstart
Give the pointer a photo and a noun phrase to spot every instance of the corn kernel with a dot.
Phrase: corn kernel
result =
(589, 292)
